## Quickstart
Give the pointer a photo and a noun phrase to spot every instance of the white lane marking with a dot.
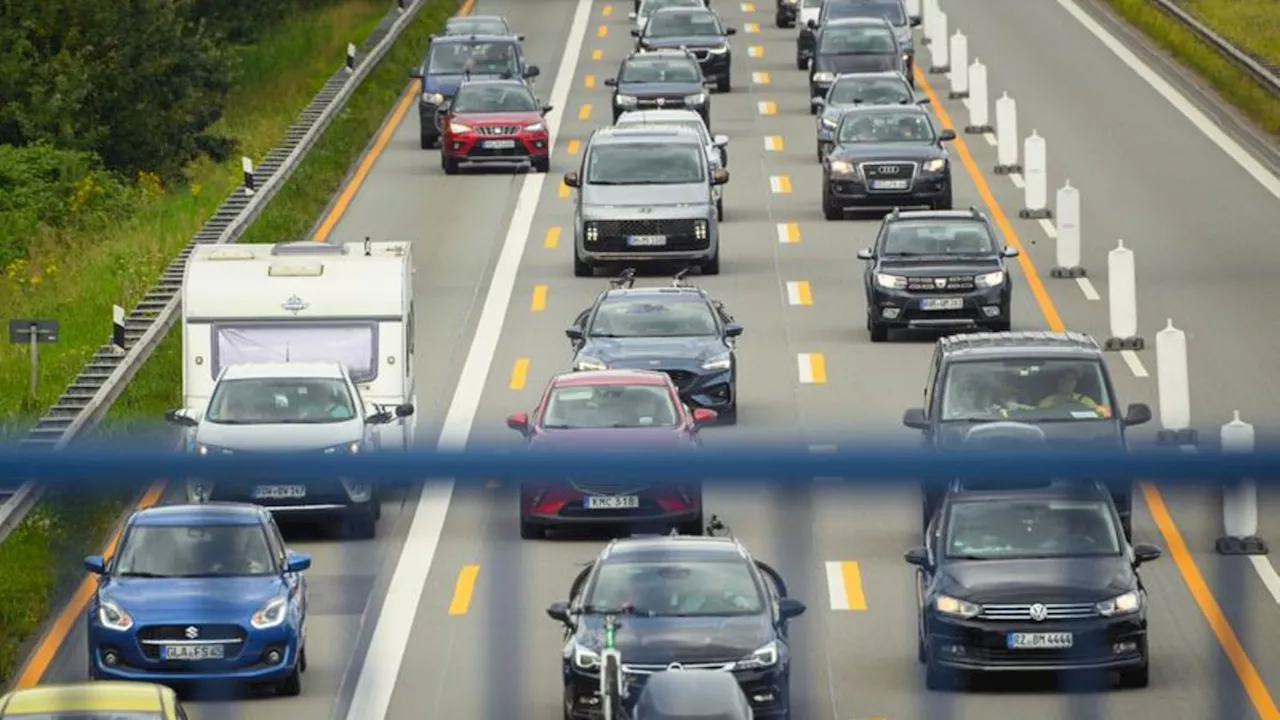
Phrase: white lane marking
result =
(381, 666)
(1086, 287)
(780, 184)
(760, 78)
(812, 368)
(1135, 363)
(788, 233)
(773, 143)
(798, 293)
(1049, 228)
(1267, 572)
(767, 107)
(1017, 180)
(1179, 101)
(835, 587)
(991, 139)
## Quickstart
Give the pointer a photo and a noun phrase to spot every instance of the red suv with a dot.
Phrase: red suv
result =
(630, 410)
(494, 122)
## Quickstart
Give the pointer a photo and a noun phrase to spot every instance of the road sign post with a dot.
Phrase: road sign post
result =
(33, 333)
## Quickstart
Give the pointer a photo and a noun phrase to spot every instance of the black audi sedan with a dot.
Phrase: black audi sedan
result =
(1022, 580)
(701, 602)
(698, 30)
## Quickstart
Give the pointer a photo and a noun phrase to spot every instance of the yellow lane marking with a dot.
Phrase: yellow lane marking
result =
(767, 107)
(597, 54)
(760, 78)
(564, 190)
(464, 589)
(539, 301)
(844, 585)
(752, 27)
(584, 112)
(607, 11)
(755, 51)
(573, 147)
(519, 373)
(748, 7)
(799, 292)
(773, 143)
(602, 31)
(589, 81)
(789, 233)
(813, 368)
(780, 184)
(552, 239)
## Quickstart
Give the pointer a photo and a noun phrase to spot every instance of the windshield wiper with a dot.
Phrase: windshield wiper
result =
(969, 556)
(606, 335)
(624, 610)
(555, 427)
(142, 575)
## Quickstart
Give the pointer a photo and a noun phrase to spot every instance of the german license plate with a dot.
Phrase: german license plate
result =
(499, 144)
(611, 502)
(942, 304)
(647, 240)
(888, 184)
(1040, 641)
(279, 492)
(192, 652)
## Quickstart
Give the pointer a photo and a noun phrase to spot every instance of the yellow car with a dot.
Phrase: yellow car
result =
(93, 701)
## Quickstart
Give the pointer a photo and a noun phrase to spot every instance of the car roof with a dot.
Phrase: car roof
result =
(660, 53)
(462, 19)
(972, 213)
(290, 370)
(197, 514)
(686, 9)
(655, 292)
(588, 378)
(883, 110)
(672, 547)
(506, 82)
(99, 697)
(1061, 492)
(878, 75)
(667, 133)
(475, 37)
(1031, 343)
(868, 21)
(656, 117)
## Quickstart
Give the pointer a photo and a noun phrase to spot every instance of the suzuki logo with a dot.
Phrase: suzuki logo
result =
(940, 282)
(295, 304)
(1039, 612)
(192, 632)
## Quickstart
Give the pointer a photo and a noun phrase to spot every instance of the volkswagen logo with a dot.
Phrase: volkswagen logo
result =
(940, 282)
(1039, 612)
(889, 170)
(662, 101)
(192, 632)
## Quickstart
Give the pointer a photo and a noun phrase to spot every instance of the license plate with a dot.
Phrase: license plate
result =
(499, 144)
(611, 502)
(1040, 641)
(889, 184)
(192, 652)
(942, 304)
(279, 492)
(647, 240)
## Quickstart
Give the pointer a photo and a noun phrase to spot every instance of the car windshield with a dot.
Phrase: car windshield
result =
(812, 4)
(86, 715)
(506, 98)
(856, 40)
(649, 6)
(870, 91)
(677, 588)
(1010, 529)
(1026, 390)
(650, 70)
(653, 317)
(645, 164)
(267, 401)
(477, 26)
(681, 24)
(887, 127)
(195, 551)
(694, 124)
(890, 11)
(582, 407)
(480, 58)
(908, 238)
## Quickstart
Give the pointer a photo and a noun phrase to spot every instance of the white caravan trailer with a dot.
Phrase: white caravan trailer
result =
(303, 302)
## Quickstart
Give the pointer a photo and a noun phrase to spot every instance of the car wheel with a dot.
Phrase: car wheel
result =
(720, 210)
(361, 526)
(729, 416)
(712, 266)
(813, 109)
(302, 660)
(921, 656)
(830, 210)
(428, 141)
(448, 164)
(802, 63)
(944, 202)
(1004, 326)
(529, 531)
(292, 685)
(1136, 678)
(581, 268)
(724, 85)
(818, 151)
(936, 677)
(693, 527)
(878, 332)
(542, 164)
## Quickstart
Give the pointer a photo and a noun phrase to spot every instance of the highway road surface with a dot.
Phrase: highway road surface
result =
(454, 626)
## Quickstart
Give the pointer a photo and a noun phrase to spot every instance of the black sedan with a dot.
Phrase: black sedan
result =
(697, 29)
(662, 79)
(886, 157)
(1030, 581)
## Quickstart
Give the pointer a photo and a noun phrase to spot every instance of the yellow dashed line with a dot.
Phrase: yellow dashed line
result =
(573, 147)
(748, 7)
(844, 585)
(773, 143)
(767, 107)
(755, 51)
(780, 184)
(584, 112)
(539, 301)
(812, 367)
(564, 190)
(752, 27)
(602, 31)
(520, 374)
(589, 81)
(799, 292)
(607, 11)
(789, 233)
(552, 239)
(597, 54)
(760, 78)
(464, 589)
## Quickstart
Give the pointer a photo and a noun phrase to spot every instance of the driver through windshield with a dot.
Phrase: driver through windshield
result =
(673, 588)
(859, 40)
(1025, 390)
(491, 99)
(918, 239)
(646, 318)
(886, 127)
(683, 24)
(266, 401)
(890, 11)
(877, 91)
(651, 6)
(483, 58)
(609, 406)
(646, 164)
(645, 70)
(1008, 530)
(202, 551)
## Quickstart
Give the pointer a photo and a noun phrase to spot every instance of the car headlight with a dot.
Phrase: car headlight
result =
(585, 659)
(955, 607)
(823, 76)
(718, 50)
(841, 167)
(991, 279)
(113, 617)
(271, 615)
(763, 657)
(1124, 604)
(431, 98)
(719, 362)
(625, 100)
(459, 128)
(935, 165)
(695, 99)
(589, 363)
(891, 282)
(345, 449)
(828, 123)
(906, 57)
(591, 231)
(536, 127)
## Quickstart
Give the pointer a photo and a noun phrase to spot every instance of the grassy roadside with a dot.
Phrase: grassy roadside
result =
(75, 277)
(1253, 25)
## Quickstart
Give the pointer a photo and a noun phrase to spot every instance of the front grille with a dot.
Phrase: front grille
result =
(701, 54)
(682, 378)
(607, 487)
(680, 234)
(957, 283)
(874, 171)
(663, 102)
(178, 633)
(1053, 611)
(512, 152)
(649, 669)
(497, 130)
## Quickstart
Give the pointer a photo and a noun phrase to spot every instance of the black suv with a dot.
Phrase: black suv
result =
(937, 269)
(855, 45)
(661, 79)
(679, 330)
(450, 60)
(1023, 389)
(885, 157)
(697, 29)
(1033, 581)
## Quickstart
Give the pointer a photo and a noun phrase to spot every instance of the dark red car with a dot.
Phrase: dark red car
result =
(494, 122)
(629, 410)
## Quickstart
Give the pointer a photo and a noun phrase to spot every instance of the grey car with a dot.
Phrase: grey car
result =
(717, 145)
(644, 195)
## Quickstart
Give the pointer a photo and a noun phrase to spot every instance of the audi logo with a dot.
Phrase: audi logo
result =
(888, 170)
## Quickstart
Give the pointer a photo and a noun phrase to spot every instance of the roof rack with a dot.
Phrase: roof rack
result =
(677, 281)
(717, 528)
(626, 279)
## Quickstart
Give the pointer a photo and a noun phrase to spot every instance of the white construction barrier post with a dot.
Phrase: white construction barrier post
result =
(1035, 179)
(1068, 227)
(351, 57)
(1239, 498)
(979, 105)
(1173, 380)
(117, 329)
(247, 165)
(939, 52)
(929, 17)
(1122, 286)
(1007, 136)
(959, 62)
(913, 10)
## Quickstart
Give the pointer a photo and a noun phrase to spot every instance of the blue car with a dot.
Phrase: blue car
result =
(204, 592)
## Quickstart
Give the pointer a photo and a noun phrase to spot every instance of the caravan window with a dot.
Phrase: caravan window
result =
(354, 344)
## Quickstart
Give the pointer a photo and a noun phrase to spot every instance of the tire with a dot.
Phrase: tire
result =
(581, 268)
(936, 678)
(302, 659)
(802, 63)
(292, 685)
(813, 109)
(693, 527)
(1137, 678)
(921, 656)
(724, 85)
(878, 333)
(361, 526)
(428, 141)
(943, 203)
(529, 531)
(720, 210)
(712, 266)
(830, 210)
(1000, 327)
(448, 164)
(542, 164)
(818, 151)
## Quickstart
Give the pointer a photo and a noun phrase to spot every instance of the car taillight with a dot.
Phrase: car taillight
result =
(548, 500)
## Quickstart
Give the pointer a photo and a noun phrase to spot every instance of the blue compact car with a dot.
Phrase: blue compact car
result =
(204, 592)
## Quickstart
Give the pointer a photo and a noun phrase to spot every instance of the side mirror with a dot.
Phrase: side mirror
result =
(813, 24)
(180, 418)
(559, 611)
(96, 564)
(635, 33)
(789, 608)
(378, 418)
(947, 135)
(1009, 252)
(926, 100)
(573, 333)
(720, 140)
(733, 330)
(631, 16)
(730, 31)
(817, 102)
(703, 416)
(1138, 414)
(520, 37)
(915, 419)
(719, 176)
(296, 562)
(415, 73)
(865, 254)
(547, 108)
(918, 556)
(571, 179)
(916, 20)
(404, 410)
(518, 422)
(1144, 553)
(611, 82)
(532, 71)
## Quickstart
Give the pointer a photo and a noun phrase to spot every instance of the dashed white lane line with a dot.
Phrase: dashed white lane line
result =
(812, 368)
(991, 139)
(799, 292)
(1267, 572)
(755, 51)
(767, 107)
(788, 233)
(760, 78)
(1017, 180)
(780, 184)
(773, 143)
(1135, 363)
(1086, 287)
(1049, 228)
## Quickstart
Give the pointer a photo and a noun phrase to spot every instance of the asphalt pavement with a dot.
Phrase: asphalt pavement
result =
(455, 625)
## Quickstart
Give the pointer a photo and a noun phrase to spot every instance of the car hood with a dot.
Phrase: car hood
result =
(605, 439)
(660, 89)
(1060, 580)
(663, 640)
(661, 200)
(860, 63)
(1099, 435)
(637, 353)
(938, 266)
(861, 152)
(498, 118)
(279, 437)
(689, 41)
(153, 601)
(447, 84)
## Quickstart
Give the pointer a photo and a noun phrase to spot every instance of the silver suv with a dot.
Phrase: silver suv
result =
(645, 196)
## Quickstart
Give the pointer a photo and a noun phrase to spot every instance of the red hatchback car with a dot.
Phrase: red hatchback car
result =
(494, 122)
(629, 410)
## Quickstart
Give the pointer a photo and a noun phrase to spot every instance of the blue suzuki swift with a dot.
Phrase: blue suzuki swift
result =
(203, 592)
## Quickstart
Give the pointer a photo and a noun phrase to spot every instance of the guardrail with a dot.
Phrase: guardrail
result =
(1267, 75)
(92, 393)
